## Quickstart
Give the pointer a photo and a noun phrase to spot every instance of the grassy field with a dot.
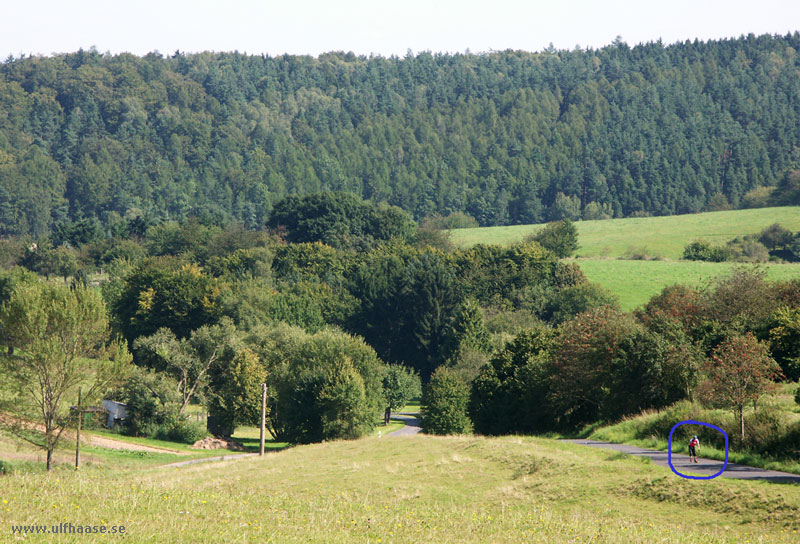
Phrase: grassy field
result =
(604, 246)
(661, 236)
(416, 489)
(635, 282)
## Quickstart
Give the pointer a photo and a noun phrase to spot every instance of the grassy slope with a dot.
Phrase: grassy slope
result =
(635, 282)
(663, 236)
(603, 242)
(417, 489)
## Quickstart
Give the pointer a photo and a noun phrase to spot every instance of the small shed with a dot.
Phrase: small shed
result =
(117, 412)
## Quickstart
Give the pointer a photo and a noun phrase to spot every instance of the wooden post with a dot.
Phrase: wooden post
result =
(78, 435)
(263, 416)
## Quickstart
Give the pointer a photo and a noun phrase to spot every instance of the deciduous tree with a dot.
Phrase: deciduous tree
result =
(61, 338)
(739, 372)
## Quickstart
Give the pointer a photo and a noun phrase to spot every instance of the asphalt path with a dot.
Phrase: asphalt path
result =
(412, 424)
(704, 467)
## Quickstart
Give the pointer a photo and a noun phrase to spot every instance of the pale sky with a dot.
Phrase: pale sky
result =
(377, 26)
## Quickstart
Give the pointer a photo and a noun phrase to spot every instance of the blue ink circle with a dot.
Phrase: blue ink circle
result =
(669, 449)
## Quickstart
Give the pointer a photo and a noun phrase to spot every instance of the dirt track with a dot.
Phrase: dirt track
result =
(101, 441)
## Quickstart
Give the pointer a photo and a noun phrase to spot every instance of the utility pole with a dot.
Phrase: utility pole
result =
(78, 435)
(263, 416)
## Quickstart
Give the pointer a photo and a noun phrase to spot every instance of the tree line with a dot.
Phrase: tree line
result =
(507, 339)
(507, 137)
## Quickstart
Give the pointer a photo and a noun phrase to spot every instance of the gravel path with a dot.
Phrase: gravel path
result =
(412, 424)
(704, 467)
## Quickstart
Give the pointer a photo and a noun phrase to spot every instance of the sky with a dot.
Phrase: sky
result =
(381, 27)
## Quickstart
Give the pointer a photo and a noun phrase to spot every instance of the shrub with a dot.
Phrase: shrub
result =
(574, 300)
(718, 203)
(152, 401)
(775, 237)
(565, 207)
(560, 237)
(753, 251)
(595, 211)
(185, 431)
(701, 250)
(444, 404)
(455, 220)
(757, 197)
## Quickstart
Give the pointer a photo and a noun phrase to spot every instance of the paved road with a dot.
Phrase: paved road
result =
(412, 424)
(705, 467)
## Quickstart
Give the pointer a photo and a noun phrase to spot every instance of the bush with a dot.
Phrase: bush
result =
(701, 250)
(184, 431)
(455, 220)
(594, 211)
(152, 401)
(444, 404)
(775, 236)
(797, 396)
(572, 301)
(755, 252)
(560, 237)
(757, 197)
(178, 429)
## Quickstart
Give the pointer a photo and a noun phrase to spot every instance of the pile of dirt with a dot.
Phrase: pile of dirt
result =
(211, 443)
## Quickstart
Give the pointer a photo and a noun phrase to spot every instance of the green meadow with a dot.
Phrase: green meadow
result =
(635, 282)
(606, 248)
(415, 489)
(663, 237)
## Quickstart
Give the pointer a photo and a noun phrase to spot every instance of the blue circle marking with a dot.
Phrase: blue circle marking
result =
(669, 449)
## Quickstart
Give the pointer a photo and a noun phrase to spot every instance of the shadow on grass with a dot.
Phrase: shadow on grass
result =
(251, 445)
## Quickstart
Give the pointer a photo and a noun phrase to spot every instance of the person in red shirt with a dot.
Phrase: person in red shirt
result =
(694, 443)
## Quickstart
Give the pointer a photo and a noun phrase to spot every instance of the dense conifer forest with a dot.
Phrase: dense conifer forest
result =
(506, 137)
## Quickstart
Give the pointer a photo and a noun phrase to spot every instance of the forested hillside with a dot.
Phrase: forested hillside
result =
(507, 137)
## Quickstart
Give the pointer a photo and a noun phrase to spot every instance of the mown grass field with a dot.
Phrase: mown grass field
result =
(661, 236)
(415, 489)
(635, 282)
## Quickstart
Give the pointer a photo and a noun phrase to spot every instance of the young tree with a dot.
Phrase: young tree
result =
(444, 404)
(740, 371)
(776, 236)
(189, 360)
(560, 237)
(56, 330)
(234, 392)
(400, 384)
